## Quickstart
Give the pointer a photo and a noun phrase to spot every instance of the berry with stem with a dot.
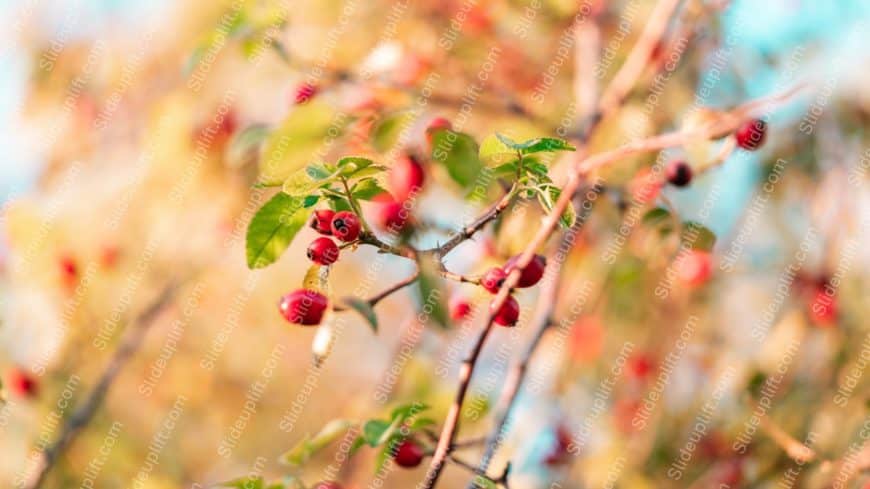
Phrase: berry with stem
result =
(323, 251)
(409, 454)
(493, 279)
(750, 136)
(321, 221)
(508, 313)
(345, 226)
(303, 306)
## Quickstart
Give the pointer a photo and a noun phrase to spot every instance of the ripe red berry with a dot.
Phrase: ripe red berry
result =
(750, 135)
(695, 268)
(460, 308)
(493, 279)
(303, 306)
(304, 93)
(823, 308)
(321, 221)
(69, 270)
(678, 173)
(392, 216)
(345, 226)
(437, 124)
(406, 178)
(323, 251)
(409, 454)
(531, 274)
(327, 485)
(508, 313)
(640, 366)
(21, 383)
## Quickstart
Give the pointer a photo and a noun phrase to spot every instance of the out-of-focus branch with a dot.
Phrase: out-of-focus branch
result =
(128, 346)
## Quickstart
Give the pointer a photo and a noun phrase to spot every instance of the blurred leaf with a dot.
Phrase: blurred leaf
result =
(303, 450)
(367, 189)
(364, 309)
(405, 411)
(310, 201)
(251, 483)
(481, 482)
(458, 153)
(698, 236)
(536, 168)
(493, 151)
(246, 144)
(358, 443)
(656, 216)
(273, 228)
(386, 134)
(373, 430)
(296, 141)
(506, 170)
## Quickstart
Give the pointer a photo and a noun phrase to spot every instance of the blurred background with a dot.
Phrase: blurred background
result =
(111, 202)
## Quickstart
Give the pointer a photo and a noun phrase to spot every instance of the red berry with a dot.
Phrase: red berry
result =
(321, 221)
(493, 279)
(750, 135)
(409, 454)
(303, 306)
(508, 313)
(531, 274)
(678, 173)
(459, 308)
(695, 268)
(323, 251)
(823, 308)
(21, 383)
(406, 178)
(392, 216)
(69, 270)
(437, 124)
(304, 93)
(645, 186)
(345, 226)
(640, 366)
(327, 485)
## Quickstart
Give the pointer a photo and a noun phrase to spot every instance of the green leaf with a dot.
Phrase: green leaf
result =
(510, 143)
(350, 164)
(458, 153)
(367, 189)
(697, 236)
(482, 482)
(309, 445)
(246, 144)
(304, 180)
(317, 278)
(358, 443)
(373, 430)
(368, 171)
(657, 216)
(386, 134)
(244, 483)
(364, 309)
(536, 168)
(493, 151)
(273, 228)
(545, 145)
(506, 170)
(310, 201)
(405, 411)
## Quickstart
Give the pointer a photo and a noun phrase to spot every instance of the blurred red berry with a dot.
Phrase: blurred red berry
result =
(508, 313)
(345, 226)
(678, 173)
(460, 308)
(69, 270)
(303, 306)
(406, 178)
(409, 454)
(530, 275)
(109, 256)
(823, 307)
(695, 268)
(751, 134)
(321, 221)
(493, 279)
(645, 187)
(640, 366)
(21, 383)
(323, 251)
(304, 92)
(392, 216)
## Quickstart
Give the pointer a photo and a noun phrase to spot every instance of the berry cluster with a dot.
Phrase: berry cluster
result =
(493, 279)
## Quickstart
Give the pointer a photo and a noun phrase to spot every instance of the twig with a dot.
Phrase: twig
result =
(478, 224)
(82, 416)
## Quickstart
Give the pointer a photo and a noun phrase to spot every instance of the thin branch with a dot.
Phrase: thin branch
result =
(128, 346)
(468, 231)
